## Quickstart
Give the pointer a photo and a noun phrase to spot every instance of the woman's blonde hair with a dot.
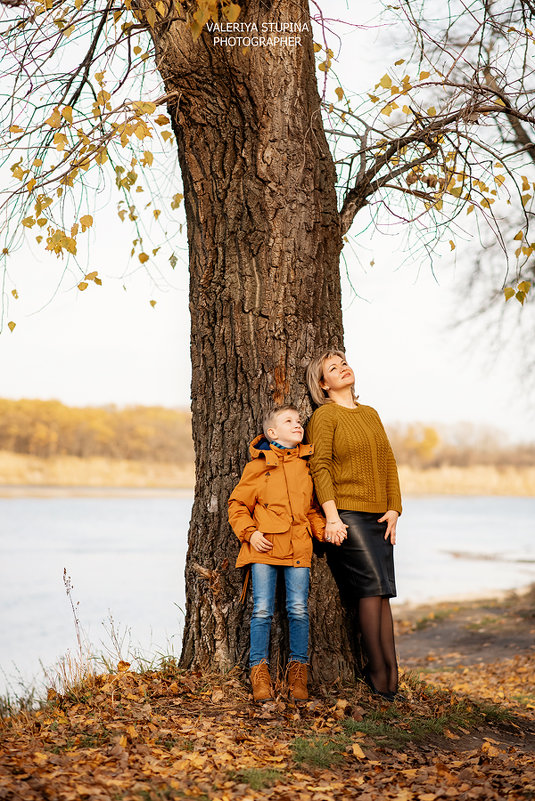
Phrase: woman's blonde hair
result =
(314, 374)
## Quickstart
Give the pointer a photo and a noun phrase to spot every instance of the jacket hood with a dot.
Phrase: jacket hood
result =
(260, 446)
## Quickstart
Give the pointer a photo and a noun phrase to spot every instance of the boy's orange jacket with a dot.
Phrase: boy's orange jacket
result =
(275, 496)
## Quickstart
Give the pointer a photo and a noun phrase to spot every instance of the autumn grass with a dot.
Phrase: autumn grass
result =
(473, 480)
(319, 751)
(258, 778)
(22, 470)
(18, 469)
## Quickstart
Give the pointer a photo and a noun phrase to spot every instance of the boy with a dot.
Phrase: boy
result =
(273, 515)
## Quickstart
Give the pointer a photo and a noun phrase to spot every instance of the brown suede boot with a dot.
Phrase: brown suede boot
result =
(297, 681)
(261, 682)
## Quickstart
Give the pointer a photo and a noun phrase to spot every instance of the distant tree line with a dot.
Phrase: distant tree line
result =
(154, 433)
(50, 428)
(460, 445)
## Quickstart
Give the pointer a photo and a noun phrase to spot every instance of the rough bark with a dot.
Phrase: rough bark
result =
(264, 242)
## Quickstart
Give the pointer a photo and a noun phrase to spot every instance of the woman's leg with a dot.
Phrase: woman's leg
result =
(264, 579)
(297, 581)
(377, 631)
(388, 645)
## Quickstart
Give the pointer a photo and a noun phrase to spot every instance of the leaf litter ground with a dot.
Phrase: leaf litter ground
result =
(462, 731)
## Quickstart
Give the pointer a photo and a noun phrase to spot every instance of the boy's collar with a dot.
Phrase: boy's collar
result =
(284, 447)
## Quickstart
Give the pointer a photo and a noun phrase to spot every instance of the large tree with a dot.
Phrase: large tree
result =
(265, 225)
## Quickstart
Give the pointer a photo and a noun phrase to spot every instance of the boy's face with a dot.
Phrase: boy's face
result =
(287, 429)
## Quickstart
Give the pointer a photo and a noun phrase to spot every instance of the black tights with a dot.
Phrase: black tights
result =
(377, 630)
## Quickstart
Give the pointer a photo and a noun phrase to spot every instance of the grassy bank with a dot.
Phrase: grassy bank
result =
(474, 480)
(70, 471)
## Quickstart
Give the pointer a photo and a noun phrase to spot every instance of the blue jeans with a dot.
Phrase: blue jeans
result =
(264, 583)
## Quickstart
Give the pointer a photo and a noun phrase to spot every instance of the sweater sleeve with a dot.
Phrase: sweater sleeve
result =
(320, 432)
(393, 492)
(242, 502)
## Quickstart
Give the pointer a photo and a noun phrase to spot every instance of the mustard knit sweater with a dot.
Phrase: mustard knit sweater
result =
(353, 463)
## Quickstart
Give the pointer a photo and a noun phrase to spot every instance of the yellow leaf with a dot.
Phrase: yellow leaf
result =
(55, 119)
(15, 129)
(152, 303)
(137, 50)
(452, 244)
(161, 8)
(232, 12)
(317, 47)
(122, 667)
(99, 77)
(82, 285)
(525, 286)
(357, 751)
(141, 131)
(103, 97)
(166, 135)
(424, 75)
(177, 200)
(399, 61)
(150, 15)
(406, 110)
(339, 92)
(432, 111)
(499, 179)
(525, 199)
(388, 109)
(385, 82)
(91, 276)
(144, 107)
(30, 185)
(15, 294)
(519, 236)
(11, 325)
(143, 258)
(373, 98)
(101, 156)
(60, 140)
(456, 191)
(470, 208)
(148, 158)
(28, 222)
(86, 222)
(161, 119)
(66, 113)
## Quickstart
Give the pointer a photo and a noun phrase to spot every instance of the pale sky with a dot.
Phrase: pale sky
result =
(108, 345)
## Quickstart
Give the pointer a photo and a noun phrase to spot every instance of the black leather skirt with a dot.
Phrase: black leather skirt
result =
(363, 566)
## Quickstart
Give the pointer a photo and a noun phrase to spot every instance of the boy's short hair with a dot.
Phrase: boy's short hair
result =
(272, 413)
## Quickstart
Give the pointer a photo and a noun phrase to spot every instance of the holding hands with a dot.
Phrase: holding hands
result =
(335, 531)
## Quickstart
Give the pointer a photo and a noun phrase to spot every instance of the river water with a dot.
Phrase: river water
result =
(125, 560)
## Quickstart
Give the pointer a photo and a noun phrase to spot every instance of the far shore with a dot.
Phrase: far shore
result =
(70, 476)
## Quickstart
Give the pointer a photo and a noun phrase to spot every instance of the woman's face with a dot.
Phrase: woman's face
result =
(337, 374)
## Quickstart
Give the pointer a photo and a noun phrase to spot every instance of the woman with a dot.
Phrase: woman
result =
(356, 482)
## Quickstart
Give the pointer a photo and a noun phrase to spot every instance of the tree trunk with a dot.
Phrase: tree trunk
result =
(264, 242)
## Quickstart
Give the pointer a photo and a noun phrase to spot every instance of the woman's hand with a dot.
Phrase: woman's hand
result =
(335, 531)
(391, 519)
(259, 542)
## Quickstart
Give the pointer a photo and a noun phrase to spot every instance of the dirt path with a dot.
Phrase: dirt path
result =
(470, 633)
